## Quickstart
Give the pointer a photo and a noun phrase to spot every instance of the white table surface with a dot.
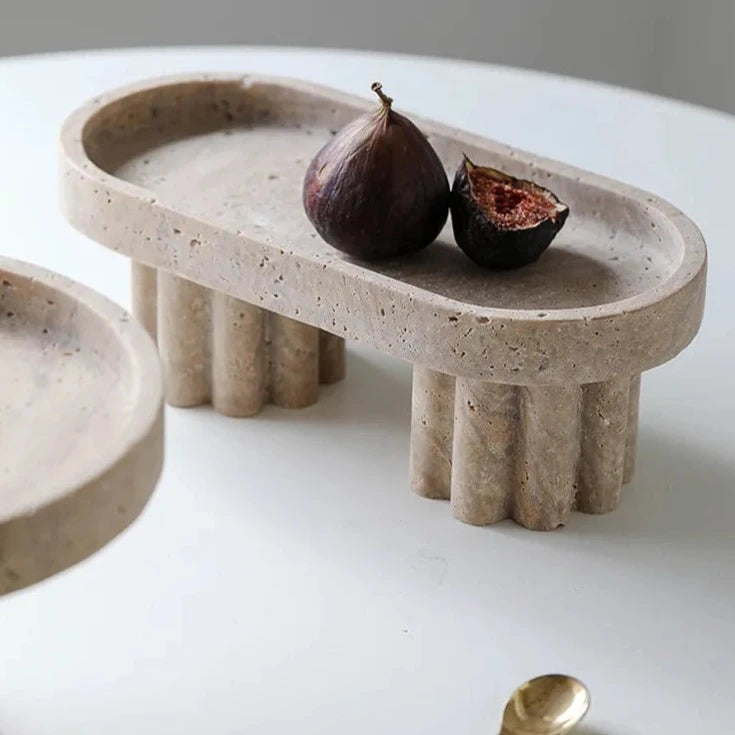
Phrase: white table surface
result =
(284, 580)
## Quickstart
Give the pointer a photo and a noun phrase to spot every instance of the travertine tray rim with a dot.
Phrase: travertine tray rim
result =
(683, 286)
(690, 237)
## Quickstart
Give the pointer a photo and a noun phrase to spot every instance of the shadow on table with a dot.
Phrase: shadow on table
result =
(681, 492)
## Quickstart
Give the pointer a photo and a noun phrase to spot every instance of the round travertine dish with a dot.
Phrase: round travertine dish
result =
(81, 423)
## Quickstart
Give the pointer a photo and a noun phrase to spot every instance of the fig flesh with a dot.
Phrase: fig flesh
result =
(502, 222)
(377, 189)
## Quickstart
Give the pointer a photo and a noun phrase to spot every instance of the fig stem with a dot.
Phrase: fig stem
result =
(377, 87)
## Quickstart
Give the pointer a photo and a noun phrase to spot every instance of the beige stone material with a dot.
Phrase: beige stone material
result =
(549, 439)
(332, 364)
(602, 452)
(432, 430)
(214, 165)
(144, 284)
(217, 347)
(484, 451)
(201, 177)
(631, 438)
(239, 361)
(81, 422)
(531, 453)
(294, 363)
(184, 339)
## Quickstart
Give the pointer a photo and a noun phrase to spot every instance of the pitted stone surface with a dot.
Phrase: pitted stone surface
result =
(202, 177)
(81, 422)
(526, 393)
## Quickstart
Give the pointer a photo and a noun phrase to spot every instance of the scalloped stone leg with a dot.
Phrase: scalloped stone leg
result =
(549, 452)
(238, 357)
(332, 365)
(631, 439)
(602, 455)
(144, 284)
(432, 428)
(294, 362)
(485, 430)
(183, 335)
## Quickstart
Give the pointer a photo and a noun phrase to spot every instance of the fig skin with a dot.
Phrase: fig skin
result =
(377, 189)
(489, 244)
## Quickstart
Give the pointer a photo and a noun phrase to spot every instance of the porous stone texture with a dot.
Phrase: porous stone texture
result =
(217, 348)
(484, 451)
(549, 437)
(144, 282)
(239, 357)
(294, 361)
(184, 339)
(531, 453)
(81, 422)
(432, 431)
(200, 177)
(332, 363)
(631, 435)
(602, 453)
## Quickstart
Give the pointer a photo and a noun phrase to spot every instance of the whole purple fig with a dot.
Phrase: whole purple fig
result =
(377, 189)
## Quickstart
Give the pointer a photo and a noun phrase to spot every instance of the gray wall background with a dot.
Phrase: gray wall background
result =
(680, 48)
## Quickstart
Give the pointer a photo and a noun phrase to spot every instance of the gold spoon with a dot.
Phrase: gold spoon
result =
(548, 705)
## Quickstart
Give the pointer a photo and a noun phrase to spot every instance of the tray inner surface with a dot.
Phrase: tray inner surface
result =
(64, 397)
(238, 161)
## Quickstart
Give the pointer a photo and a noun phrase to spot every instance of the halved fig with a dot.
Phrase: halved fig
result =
(502, 222)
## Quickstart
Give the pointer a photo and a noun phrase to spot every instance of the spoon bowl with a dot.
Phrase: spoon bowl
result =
(547, 705)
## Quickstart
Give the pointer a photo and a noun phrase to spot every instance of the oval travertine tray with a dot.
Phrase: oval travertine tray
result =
(525, 383)
(81, 423)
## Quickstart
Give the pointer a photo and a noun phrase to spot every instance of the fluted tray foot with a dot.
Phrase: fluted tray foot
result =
(531, 453)
(221, 350)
